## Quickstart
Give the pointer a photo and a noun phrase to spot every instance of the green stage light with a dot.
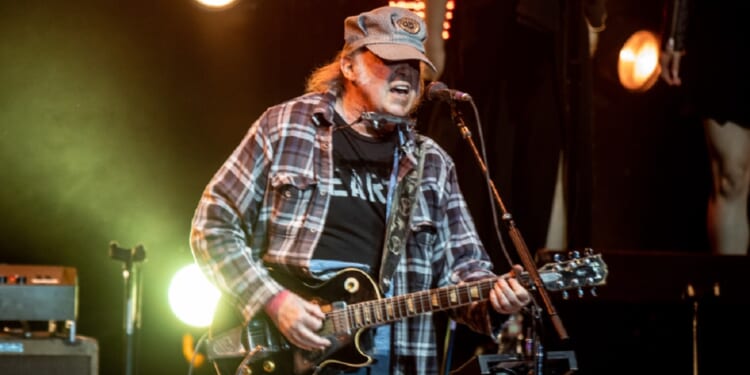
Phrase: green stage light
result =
(192, 297)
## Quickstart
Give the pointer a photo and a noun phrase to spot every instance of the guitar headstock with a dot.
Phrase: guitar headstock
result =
(577, 271)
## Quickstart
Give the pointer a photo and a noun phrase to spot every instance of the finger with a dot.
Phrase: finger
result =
(311, 340)
(521, 293)
(508, 298)
(314, 310)
(494, 300)
(517, 270)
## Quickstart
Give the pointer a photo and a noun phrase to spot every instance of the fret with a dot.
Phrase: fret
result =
(378, 311)
(367, 311)
(418, 302)
(350, 317)
(401, 312)
(453, 296)
(357, 315)
(410, 305)
(474, 292)
(426, 301)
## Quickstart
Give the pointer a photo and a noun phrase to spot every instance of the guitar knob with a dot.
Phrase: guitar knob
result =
(575, 254)
(246, 370)
(269, 366)
(557, 257)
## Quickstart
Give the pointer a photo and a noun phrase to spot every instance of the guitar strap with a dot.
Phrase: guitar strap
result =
(399, 222)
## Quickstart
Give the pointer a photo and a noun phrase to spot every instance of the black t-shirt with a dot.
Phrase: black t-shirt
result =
(355, 225)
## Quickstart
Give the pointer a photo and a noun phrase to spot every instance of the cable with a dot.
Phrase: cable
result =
(195, 352)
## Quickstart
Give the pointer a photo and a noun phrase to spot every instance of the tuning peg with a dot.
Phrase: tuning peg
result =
(565, 295)
(588, 251)
(557, 257)
(575, 254)
(580, 292)
(593, 292)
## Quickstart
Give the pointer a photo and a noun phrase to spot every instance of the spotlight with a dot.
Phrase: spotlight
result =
(217, 4)
(638, 62)
(192, 297)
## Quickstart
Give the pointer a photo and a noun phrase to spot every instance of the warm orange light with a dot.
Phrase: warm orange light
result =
(418, 7)
(413, 5)
(638, 63)
(217, 4)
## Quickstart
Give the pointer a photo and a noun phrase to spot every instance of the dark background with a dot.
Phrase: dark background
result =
(114, 115)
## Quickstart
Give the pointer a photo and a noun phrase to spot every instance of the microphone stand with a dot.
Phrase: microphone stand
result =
(131, 274)
(514, 233)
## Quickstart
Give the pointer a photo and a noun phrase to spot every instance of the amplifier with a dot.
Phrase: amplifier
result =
(48, 355)
(38, 293)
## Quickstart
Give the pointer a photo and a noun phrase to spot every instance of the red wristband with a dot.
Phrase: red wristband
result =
(272, 306)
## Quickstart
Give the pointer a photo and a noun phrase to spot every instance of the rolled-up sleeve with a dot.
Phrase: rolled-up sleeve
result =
(229, 208)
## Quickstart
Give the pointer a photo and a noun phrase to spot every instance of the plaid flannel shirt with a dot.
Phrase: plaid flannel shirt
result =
(267, 206)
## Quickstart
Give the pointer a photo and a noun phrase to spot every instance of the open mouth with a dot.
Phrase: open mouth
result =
(400, 89)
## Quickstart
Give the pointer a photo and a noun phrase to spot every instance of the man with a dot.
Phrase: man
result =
(312, 189)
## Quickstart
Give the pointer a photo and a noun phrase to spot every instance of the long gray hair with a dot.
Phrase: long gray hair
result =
(327, 77)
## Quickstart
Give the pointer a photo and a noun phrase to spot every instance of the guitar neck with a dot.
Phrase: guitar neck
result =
(387, 310)
(576, 273)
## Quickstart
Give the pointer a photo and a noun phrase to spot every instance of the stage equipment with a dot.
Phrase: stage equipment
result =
(48, 355)
(39, 293)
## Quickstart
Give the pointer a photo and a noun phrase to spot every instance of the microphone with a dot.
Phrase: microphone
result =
(440, 91)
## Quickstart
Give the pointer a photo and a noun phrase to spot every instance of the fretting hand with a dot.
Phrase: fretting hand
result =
(508, 296)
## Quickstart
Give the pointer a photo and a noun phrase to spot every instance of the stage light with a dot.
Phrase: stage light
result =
(217, 4)
(192, 297)
(638, 61)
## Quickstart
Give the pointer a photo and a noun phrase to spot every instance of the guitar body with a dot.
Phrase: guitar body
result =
(348, 349)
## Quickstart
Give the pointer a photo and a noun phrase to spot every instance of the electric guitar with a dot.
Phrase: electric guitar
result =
(352, 303)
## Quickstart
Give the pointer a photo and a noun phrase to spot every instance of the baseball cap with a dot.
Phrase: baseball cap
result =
(391, 33)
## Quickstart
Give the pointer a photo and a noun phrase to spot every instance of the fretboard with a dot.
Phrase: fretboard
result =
(386, 310)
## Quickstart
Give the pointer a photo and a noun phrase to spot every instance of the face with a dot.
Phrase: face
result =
(379, 85)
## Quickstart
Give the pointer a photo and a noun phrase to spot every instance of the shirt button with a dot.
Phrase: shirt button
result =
(324, 146)
(322, 192)
(287, 193)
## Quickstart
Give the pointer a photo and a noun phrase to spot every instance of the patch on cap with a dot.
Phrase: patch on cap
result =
(408, 24)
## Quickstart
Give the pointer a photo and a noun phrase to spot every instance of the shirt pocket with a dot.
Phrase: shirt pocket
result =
(420, 254)
(291, 195)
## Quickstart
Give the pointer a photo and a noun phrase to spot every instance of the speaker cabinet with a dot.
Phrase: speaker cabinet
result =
(48, 356)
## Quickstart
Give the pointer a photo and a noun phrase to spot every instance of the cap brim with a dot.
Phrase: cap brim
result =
(396, 52)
